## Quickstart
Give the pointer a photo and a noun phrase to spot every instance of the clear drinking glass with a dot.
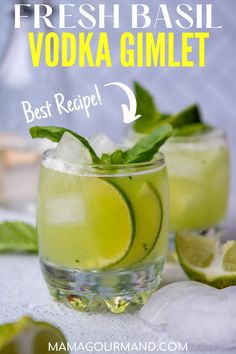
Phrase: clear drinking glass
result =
(198, 174)
(102, 231)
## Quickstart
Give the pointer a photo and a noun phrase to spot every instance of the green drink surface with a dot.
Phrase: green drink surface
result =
(102, 222)
(198, 174)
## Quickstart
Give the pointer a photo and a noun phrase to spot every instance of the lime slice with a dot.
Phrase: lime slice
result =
(204, 259)
(112, 217)
(101, 229)
(29, 337)
(148, 211)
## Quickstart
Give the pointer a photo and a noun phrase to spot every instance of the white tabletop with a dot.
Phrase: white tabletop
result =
(23, 292)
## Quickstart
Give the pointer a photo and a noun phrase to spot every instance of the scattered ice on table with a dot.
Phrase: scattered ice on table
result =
(194, 313)
(65, 209)
(229, 292)
(102, 144)
(156, 310)
(208, 321)
(70, 149)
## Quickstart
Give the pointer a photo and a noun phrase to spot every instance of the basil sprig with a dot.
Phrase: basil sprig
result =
(185, 123)
(142, 151)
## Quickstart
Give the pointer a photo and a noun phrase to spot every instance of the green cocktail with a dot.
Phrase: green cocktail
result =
(197, 161)
(102, 229)
(99, 220)
(198, 173)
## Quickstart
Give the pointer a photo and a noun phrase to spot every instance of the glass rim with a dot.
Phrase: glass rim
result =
(158, 161)
(214, 133)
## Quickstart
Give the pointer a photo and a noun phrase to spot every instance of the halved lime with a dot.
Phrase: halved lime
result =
(148, 210)
(204, 259)
(29, 337)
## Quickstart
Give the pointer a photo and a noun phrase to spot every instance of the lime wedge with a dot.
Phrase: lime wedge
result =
(29, 337)
(204, 259)
(229, 260)
(148, 211)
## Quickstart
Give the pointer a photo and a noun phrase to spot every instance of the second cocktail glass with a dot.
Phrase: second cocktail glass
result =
(198, 173)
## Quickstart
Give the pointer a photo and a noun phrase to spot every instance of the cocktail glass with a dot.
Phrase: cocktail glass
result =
(102, 231)
(198, 173)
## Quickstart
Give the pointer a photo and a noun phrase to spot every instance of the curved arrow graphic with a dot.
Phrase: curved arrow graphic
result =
(129, 113)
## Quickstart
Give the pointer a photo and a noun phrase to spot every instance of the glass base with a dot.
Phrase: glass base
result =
(95, 291)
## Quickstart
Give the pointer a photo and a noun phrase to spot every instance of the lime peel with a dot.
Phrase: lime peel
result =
(221, 270)
(29, 337)
(150, 199)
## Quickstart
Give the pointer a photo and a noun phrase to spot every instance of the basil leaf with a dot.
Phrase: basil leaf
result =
(143, 151)
(148, 146)
(116, 158)
(17, 236)
(189, 115)
(148, 110)
(191, 129)
(55, 134)
(152, 117)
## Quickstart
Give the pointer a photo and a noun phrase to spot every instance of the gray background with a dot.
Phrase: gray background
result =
(213, 87)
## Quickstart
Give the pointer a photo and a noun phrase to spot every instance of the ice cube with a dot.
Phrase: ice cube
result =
(70, 149)
(155, 312)
(65, 209)
(102, 144)
(132, 138)
(229, 292)
(208, 321)
(182, 164)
